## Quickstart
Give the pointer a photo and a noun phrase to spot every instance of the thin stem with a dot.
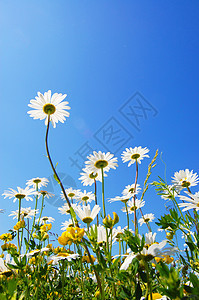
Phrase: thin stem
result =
(136, 178)
(51, 163)
(42, 207)
(104, 211)
(96, 200)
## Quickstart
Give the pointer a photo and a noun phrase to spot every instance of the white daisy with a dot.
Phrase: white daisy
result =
(37, 182)
(24, 213)
(88, 177)
(131, 207)
(131, 189)
(85, 197)
(44, 220)
(62, 256)
(155, 250)
(45, 193)
(65, 209)
(123, 198)
(36, 251)
(146, 219)
(20, 193)
(150, 238)
(46, 104)
(85, 213)
(71, 193)
(170, 192)
(66, 224)
(192, 202)
(185, 178)
(99, 160)
(134, 154)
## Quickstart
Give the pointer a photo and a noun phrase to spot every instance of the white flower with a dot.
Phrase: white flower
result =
(24, 213)
(44, 220)
(185, 178)
(131, 207)
(71, 193)
(85, 197)
(155, 250)
(62, 256)
(192, 202)
(46, 104)
(37, 181)
(134, 154)
(66, 224)
(3, 264)
(146, 219)
(101, 234)
(85, 213)
(99, 160)
(19, 193)
(45, 193)
(117, 232)
(36, 251)
(170, 192)
(88, 177)
(123, 198)
(150, 238)
(131, 189)
(65, 209)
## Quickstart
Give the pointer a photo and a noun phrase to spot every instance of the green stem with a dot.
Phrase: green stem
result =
(96, 200)
(42, 207)
(103, 202)
(136, 178)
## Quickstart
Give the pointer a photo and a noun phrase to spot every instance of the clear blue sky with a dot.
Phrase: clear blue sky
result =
(100, 53)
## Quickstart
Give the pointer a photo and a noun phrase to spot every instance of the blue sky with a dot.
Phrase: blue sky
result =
(104, 55)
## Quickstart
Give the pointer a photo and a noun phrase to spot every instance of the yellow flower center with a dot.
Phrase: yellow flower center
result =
(92, 176)
(37, 180)
(85, 198)
(49, 109)
(20, 196)
(87, 220)
(71, 195)
(135, 156)
(101, 164)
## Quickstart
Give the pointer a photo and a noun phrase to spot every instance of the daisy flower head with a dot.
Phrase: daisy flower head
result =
(45, 105)
(88, 177)
(123, 198)
(85, 197)
(100, 160)
(20, 193)
(24, 213)
(66, 224)
(131, 207)
(45, 219)
(134, 155)
(131, 189)
(191, 203)
(45, 194)
(71, 193)
(146, 219)
(37, 182)
(169, 193)
(85, 213)
(185, 179)
(65, 209)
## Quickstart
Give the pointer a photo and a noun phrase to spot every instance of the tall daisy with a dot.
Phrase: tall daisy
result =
(191, 203)
(100, 160)
(20, 193)
(146, 219)
(134, 155)
(47, 104)
(104, 162)
(185, 179)
(88, 177)
(71, 193)
(132, 189)
(37, 182)
(24, 213)
(133, 205)
(85, 197)
(86, 214)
